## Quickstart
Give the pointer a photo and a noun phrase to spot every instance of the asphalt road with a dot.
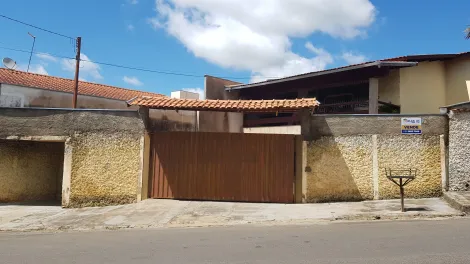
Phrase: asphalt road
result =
(446, 241)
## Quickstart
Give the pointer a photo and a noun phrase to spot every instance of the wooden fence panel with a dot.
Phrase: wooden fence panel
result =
(223, 166)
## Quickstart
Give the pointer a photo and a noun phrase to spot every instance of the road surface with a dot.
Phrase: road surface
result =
(446, 241)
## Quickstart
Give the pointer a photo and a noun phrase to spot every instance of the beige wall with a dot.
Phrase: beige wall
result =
(290, 130)
(422, 88)
(347, 157)
(105, 169)
(30, 171)
(429, 85)
(389, 88)
(220, 121)
(457, 75)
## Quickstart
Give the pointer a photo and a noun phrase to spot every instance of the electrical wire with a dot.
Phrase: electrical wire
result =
(156, 71)
(123, 66)
(103, 63)
(36, 52)
(36, 27)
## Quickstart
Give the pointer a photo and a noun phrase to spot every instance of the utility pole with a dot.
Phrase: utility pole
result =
(77, 69)
(32, 49)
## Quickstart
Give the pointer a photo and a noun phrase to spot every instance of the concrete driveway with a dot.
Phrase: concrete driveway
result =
(171, 213)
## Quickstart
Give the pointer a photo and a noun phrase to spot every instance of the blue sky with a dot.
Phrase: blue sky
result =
(244, 40)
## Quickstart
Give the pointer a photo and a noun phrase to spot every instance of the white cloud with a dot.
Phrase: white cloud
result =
(256, 35)
(87, 67)
(155, 23)
(46, 57)
(196, 90)
(353, 58)
(130, 27)
(82, 79)
(39, 69)
(33, 68)
(133, 2)
(132, 81)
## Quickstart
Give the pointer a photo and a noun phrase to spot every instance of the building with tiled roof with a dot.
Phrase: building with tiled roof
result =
(22, 89)
(412, 84)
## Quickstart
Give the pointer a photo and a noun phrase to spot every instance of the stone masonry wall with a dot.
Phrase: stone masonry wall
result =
(104, 169)
(347, 157)
(339, 169)
(102, 159)
(417, 152)
(459, 151)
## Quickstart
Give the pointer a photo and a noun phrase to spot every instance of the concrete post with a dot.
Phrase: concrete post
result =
(67, 173)
(444, 174)
(373, 96)
(299, 168)
(304, 116)
(145, 115)
(375, 167)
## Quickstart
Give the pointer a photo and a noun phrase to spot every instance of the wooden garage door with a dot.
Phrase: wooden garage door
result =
(223, 167)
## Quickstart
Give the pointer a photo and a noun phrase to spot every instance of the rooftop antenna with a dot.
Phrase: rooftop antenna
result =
(9, 63)
(32, 48)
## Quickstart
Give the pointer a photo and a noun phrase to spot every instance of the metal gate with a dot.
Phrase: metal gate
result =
(223, 166)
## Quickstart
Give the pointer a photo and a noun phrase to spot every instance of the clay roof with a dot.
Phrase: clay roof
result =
(21, 78)
(225, 105)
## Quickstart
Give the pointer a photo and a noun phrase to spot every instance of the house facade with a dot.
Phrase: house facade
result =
(415, 84)
(22, 89)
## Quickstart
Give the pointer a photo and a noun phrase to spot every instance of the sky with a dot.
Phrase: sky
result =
(243, 40)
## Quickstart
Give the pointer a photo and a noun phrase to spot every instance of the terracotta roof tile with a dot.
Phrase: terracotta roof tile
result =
(21, 78)
(224, 105)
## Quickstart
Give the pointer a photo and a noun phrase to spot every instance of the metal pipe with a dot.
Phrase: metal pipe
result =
(32, 49)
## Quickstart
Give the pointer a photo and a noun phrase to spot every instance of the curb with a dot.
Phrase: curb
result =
(340, 219)
(455, 202)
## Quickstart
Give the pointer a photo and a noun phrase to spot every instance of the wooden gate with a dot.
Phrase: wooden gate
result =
(223, 166)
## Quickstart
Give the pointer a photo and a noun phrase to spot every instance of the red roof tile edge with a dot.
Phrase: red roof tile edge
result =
(46, 82)
(224, 105)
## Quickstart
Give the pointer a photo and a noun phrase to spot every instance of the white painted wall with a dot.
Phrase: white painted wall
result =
(34, 97)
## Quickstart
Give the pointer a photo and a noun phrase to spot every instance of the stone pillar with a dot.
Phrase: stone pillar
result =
(373, 96)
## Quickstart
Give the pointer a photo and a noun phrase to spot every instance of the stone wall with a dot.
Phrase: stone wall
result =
(103, 157)
(339, 169)
(417, 152)
(347, 156)
(30, 171)
(105, 168)
(459, 150)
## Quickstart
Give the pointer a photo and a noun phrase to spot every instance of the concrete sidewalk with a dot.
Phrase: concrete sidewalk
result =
(170, 213)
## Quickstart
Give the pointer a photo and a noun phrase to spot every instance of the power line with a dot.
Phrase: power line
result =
(123, 66)
(156, 71)
(36, 27)
(36, 52)
(104, 63)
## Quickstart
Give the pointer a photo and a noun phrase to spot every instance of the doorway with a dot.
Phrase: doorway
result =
(31, 171)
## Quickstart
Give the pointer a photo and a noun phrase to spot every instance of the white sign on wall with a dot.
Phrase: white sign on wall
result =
(411, 126)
